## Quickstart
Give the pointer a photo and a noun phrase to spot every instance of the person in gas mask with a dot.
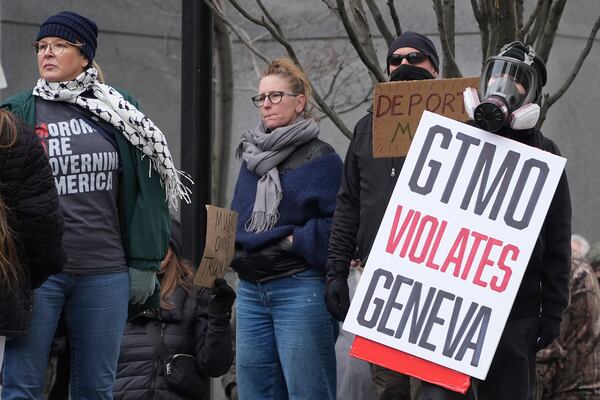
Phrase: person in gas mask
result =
(511, 83)
(366, 187)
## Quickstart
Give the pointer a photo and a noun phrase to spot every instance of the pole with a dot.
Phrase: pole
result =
(196, 120)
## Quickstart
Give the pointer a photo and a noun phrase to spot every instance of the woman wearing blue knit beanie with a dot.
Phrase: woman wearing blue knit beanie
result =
(101, 149)
(285, 197)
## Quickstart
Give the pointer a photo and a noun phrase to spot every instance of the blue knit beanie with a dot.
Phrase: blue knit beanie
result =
(74, 28)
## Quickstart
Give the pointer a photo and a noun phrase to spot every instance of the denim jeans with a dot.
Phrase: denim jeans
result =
(95, 311)
(285, 339)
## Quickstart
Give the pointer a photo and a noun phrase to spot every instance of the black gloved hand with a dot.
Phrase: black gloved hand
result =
(221, 301)
(549, 330)
(337, 294)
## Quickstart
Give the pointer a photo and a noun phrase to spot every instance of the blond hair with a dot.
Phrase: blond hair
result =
(289, 70)
(100, 72)
(10, 271)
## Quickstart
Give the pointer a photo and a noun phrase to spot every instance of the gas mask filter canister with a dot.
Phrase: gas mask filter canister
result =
(492, 114)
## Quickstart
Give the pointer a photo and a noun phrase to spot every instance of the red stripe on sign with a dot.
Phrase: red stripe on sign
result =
(405, 363)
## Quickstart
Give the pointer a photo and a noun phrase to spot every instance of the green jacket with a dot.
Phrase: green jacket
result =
(145, 220)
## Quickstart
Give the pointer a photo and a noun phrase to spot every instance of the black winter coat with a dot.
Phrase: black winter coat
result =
(545, 284)
(365, 191)
(28, 190)
(185, 329)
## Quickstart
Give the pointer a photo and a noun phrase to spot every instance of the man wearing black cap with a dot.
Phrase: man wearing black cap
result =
(365, 190)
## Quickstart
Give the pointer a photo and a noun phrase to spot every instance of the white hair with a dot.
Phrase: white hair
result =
(581, 243)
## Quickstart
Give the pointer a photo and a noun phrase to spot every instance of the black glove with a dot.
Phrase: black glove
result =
(221, 300)
(337, 295)
(548, 331)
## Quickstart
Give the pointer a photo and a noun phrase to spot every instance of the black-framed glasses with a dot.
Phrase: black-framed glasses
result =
(415, 57)
(57, 47)
(274, 98)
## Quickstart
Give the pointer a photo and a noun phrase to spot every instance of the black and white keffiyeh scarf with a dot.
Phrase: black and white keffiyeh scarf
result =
(108, 104)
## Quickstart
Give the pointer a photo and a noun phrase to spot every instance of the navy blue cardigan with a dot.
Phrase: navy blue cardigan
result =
(305, 211)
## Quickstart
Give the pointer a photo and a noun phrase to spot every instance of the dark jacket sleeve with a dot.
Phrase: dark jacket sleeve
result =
(214, 351)
(557, 255)
(22, 105)
(346, 218)
(38, 212)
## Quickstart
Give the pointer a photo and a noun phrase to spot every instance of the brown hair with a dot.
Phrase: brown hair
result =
(10, 271)
(290, 71)
(178, 272)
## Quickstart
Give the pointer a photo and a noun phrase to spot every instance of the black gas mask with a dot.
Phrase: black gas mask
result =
(509, 88)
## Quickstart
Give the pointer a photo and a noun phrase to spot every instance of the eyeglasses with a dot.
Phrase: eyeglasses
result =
(57, 48)
(413, 58)
(274, 98)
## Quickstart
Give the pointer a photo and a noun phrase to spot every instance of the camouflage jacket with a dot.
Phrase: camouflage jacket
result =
(570, 367)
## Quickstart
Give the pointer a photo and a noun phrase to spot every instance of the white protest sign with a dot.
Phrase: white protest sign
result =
(2, 345)
(3, 84)
(454, 244)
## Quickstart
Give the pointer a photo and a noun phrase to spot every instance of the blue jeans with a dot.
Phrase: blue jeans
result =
(285, 339)
(96, 311)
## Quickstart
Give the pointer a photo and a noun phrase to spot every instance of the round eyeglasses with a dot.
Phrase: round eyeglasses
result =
(274, 98)
(57, 47)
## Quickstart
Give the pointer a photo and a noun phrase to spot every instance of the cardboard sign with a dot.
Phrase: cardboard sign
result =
(454, 244)
(398, 106)
(220, 245)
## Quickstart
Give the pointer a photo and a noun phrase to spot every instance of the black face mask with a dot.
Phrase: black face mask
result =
(407, 72)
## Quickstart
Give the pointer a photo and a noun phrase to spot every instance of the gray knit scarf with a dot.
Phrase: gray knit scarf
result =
(263, 152)
(141, 132)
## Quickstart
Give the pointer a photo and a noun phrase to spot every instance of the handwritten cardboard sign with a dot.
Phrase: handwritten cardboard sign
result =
(398, 106)
(220, 244)
(453, 245)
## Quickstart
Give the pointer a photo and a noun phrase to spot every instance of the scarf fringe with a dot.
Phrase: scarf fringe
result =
(176, 190)
(260, 221)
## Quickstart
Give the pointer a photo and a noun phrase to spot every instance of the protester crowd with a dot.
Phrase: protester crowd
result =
(94, 282)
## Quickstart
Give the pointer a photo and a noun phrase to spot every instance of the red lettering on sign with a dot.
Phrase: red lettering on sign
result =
(419, 236)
